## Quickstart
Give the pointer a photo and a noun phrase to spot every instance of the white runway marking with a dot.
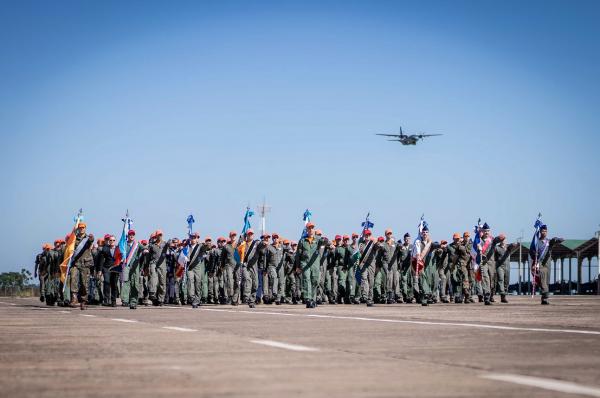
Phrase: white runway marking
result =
(179, 329)
(468, 325)
(547, 384)
(285, 346)
(88, 315)
(65, 312)
(123, 320)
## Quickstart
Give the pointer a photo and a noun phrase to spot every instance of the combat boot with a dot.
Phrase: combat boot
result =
(486, 300)
(74, 302)
(503, 299)
(82, 305)
(545, 300)
(480, 298)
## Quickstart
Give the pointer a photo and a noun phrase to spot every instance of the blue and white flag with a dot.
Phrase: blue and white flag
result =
(539, 247)
(367, 224)
(416, 247)
(190, 222)
(306, 218)
(475, 250)
(121, 254)
(249, 213)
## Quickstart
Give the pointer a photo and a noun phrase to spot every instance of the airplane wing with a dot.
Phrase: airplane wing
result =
(428, 135)
(390, 135)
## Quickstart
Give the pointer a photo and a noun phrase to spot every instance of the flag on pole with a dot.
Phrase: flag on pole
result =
(306, 218)
(476, 250)
(121, 251)
(367, 224)
(418, 263)
(69, 248)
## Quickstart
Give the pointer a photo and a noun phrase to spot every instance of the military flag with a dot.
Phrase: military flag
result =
(306, 218)
(70, 252)
(476, 249)
(418, 263)
(121, 257)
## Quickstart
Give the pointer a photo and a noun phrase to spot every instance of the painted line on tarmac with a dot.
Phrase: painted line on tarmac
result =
(124, 320)
(546, 384)
(88, 315)
(285, 346)
(65, 312)
(5, 303)
(179, 329)
(433, 323)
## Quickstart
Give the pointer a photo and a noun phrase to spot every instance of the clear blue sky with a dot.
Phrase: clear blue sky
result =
(167, 108)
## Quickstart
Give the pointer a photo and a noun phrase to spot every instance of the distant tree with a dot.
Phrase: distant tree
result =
(15, 279)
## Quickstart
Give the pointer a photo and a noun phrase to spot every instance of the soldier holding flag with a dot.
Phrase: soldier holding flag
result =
(540, 256)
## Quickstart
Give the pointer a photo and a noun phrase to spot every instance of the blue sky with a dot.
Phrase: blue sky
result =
(170, 108)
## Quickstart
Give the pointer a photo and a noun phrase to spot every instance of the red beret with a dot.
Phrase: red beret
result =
(367, 232)
(381, 239)
(346, 237)
(131, 232)
(338, 237)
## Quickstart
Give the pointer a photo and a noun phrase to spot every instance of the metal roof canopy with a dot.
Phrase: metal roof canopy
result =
(569, 248)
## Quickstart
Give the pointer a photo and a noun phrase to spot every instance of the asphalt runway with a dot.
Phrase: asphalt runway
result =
(445, 350)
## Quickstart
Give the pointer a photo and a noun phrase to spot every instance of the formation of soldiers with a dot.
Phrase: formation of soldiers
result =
(348, 269)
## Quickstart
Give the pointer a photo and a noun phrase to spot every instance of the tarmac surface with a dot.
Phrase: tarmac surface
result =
(444, 350)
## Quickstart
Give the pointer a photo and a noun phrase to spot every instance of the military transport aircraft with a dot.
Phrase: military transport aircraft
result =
(407, 139)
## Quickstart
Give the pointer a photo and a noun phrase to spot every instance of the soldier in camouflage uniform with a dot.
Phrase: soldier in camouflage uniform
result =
(212, 270)
(275, 259)
(404, 268)
(388, 252)
(541, 258)
(368, 255)
(308, 261)
(420, 261)
(292, 295)
(502, 253)
(443, 271)
(331, 281)
(230, 269)
(248, 254)
(157, 264)
(42, 265)
(353, 260)
(82, 263)
(338, 261)
(53, 285)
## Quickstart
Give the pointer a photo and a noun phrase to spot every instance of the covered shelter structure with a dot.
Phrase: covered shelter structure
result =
(564, 255)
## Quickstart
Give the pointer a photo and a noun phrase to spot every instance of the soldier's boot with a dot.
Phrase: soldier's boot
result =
(82, 305)
(431, 299)
(545, 299)
(480, 298)
(492, 298)
(74, 302)
(503, 298)
(445, 300)
(370, 303)
(390, 298)
(486, 299)
(42, 298)
(354, 300)
(399, 299)
(458, 299)
(470, 299)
